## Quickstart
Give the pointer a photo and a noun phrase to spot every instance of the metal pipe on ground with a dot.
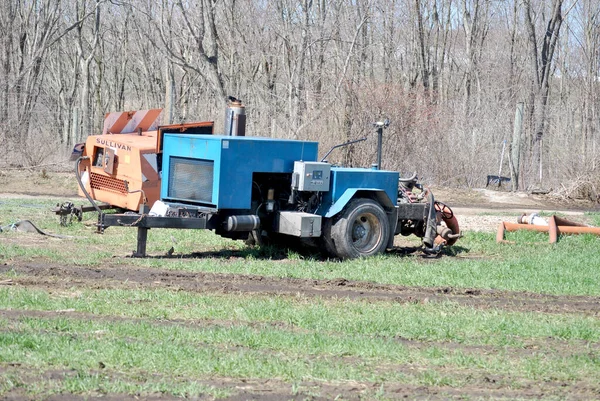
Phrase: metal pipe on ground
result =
(556, 226)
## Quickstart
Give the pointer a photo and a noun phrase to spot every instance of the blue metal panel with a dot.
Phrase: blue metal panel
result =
(380, 195)
(197, 147)
(347, 181)
(235, 160)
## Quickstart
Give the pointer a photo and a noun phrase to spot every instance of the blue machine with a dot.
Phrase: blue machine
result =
(217, 171)
(348, 181)
(276, 191)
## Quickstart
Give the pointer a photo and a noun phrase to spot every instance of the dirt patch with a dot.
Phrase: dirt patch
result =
(484, 209)
(497, 199)
(52, 277)
(42, 181)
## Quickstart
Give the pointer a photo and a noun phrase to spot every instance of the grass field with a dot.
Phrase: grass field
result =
(219, 320)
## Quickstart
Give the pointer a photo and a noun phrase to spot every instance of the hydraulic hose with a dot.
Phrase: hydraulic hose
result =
(87, 195)
(431, 229)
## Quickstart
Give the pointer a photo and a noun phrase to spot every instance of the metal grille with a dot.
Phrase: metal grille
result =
(99, 181)
(191, 179)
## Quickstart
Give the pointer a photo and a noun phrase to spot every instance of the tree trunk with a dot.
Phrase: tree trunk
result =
(541, 65)
(422, 47)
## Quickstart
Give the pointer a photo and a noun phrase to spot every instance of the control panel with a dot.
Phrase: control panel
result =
(311, 176)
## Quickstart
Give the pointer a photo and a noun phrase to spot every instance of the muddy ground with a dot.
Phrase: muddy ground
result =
(476, 210)
(60, 278)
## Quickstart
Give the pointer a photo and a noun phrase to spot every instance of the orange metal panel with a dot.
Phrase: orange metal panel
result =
(130, 165)
(126, 122)
(134, 157)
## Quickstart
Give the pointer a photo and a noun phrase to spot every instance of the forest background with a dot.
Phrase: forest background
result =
(452, 76)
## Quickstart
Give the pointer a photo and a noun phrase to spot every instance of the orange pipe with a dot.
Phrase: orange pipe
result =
(528, 227)
(578, 230)
(564, 222)
(452, 224)
(552, 228)
(500, 233)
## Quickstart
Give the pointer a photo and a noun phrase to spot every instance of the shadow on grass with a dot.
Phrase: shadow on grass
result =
(264, 252)
(418, 251)
(454, 250)
(275, 252)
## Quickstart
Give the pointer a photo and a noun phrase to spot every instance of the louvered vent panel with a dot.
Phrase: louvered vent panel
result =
(191, 179)
(99, 181)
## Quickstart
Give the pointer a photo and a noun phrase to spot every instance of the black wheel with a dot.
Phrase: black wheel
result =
(362, 229)
(326, 242)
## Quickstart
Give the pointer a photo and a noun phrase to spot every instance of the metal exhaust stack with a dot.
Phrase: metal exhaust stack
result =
(235, 118)
(380, 125)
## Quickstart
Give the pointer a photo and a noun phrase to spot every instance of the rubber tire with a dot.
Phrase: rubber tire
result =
(325, 242)
(361, 229)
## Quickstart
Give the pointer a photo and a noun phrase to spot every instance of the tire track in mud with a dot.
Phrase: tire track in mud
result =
(55, 276)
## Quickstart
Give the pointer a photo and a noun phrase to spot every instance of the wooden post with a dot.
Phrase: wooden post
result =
(515, 149)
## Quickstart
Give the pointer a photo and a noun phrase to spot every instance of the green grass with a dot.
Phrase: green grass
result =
(440, 322)
(531, 264)
(158, 341)
(595, 217)
(332, 345)
(568, 267)
(97, 383)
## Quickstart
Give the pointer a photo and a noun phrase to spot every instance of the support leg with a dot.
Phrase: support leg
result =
(142, 237)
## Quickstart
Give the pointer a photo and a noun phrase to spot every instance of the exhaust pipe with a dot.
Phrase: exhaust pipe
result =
(235, 118)
(242, 223)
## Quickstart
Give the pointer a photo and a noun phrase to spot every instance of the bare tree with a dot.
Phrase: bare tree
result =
(187, 35)
(85, 54)
(448, 73)
(591, 116)
(475, 24)
(541, 57)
